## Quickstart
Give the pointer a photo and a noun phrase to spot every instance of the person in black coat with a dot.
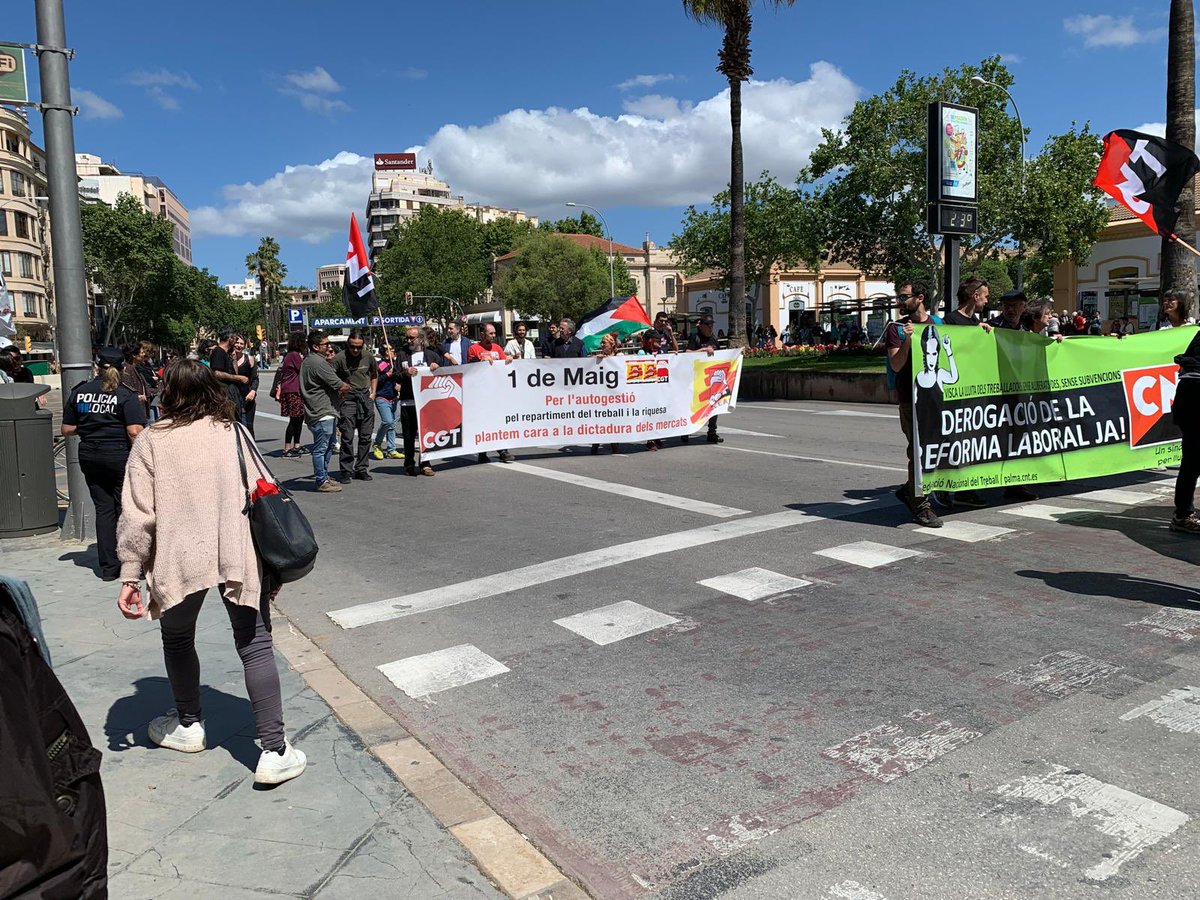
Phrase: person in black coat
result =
(1186, 413)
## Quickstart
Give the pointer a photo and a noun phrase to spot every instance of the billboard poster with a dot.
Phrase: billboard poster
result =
(1011, 408)
(953, 152)
(385, 162)
(14, 86)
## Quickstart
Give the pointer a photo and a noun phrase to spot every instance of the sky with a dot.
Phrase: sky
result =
(263, 116)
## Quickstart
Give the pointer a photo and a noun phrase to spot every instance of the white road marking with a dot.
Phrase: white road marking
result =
(1181, 624)
(1047, 512)
(725, 429)
(820, 459)
(615, 622)
(1060, 674)
(624, 490)
(266, 415)
(1177, 710)
(850, 890)
(500, 583)
(1111, 495)
(1136, 822)
(771, 407)
(754, 584)
(887, 753)
(868, 554)
(854, 412)
(420, 676)
(969, 532)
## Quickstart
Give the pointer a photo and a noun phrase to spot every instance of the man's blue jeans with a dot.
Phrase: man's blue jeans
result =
(387, 423)
(322, 448)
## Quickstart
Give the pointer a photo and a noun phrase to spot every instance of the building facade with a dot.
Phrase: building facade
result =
(400, 194)
(25, 228)
(246, 290)
(104, 182)
(329, 281)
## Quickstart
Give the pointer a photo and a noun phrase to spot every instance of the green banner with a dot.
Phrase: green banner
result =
(14, 87)
(1010, 408)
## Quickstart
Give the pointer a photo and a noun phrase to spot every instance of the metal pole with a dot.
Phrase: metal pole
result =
(950, 245)
(70, 277)
(1021, 126)
(612, 284)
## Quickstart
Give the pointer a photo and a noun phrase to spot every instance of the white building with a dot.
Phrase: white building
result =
(104, 182)
(329, 281)
(247, 290)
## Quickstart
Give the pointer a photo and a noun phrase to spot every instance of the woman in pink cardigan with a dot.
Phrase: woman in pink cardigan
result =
(183, 525)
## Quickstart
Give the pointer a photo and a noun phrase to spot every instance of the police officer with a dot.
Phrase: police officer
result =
(107, 416)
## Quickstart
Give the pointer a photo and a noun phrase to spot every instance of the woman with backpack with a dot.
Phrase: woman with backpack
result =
(185, 528)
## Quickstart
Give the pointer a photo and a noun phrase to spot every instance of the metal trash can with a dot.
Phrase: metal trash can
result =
(28, 500)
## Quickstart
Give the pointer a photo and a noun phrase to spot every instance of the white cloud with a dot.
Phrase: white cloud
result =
(669, 153)
(1158, 128)
(162, 78)
(664, 153)
(1011, 59)
(312, 88)
(414, 74)
(93, 106)
(656, 106)
(306, 202)
(644, 81)
(162, 98)
(1110, 31)
(318, 80)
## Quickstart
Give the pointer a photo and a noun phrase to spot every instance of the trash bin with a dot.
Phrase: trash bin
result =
(29, 503)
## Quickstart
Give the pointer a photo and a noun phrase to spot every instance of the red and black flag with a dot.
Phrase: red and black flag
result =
(358, 284)
(1145, 174)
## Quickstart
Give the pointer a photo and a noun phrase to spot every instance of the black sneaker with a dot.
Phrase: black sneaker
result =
(505, 456)
(482, 457)
(1019, 493)
(714, 438)
(924, 515)
(363, 476)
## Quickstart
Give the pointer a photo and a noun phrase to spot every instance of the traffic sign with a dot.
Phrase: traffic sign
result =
(295, 316)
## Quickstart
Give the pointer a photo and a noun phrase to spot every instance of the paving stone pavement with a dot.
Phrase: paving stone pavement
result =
(195, 825)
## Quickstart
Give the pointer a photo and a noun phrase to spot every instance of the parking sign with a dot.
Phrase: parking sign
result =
(295, 316)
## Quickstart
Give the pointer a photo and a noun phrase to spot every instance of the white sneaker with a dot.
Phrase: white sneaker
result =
(276, 768)
(167, 731)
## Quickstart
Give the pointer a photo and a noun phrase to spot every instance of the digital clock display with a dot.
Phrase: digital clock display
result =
(950, 218)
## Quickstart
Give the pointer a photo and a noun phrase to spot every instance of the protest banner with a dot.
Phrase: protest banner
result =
(1013, 408)
(554, 402)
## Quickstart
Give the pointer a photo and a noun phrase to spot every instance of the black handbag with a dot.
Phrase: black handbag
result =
(282, 536)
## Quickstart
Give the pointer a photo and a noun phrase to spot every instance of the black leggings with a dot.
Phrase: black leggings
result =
(1189, 469)
(252, 635)
(292, 434)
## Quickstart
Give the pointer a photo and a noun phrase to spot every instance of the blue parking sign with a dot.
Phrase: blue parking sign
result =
(295, 316)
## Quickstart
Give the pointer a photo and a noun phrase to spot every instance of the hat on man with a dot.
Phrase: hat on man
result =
(1014, 296)
(111, 356)
(706, 319)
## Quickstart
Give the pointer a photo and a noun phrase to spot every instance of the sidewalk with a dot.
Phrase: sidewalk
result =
(196, 826)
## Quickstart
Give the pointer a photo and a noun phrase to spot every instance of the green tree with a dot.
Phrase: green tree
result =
(501, 236)
(129, 255)
(1178, 264)
(867, 182)
(585, 224)
(200, 308)
(264, 262)
(437, 252)
(776, 231)
(552, 277)
(733, 17)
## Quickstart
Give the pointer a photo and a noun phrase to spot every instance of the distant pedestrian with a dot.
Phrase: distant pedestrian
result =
(1095, 328)
(107, 416)
(131, 374)
(703, 339)
(220, 360)
(1185, 412)
(321, 391)
(244, 364)
(387, 396)
(21, 373)
(1174, 311)
(356, 366)
(151, 376)
(184, 527)
(287, 391)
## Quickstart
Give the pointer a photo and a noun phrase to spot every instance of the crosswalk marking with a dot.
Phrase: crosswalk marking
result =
(615, 622)
(868, 554)
(1048, 512)
(429, 673)
(754, 583)
(859, 413)
(1114, 496)
(850, 890)
(969, 532)
(624, 490)
(1180, 624)
(891, 751)
(1177, 710)
(820, 459)
(500, 583)
(725, 429)
(1061, 674)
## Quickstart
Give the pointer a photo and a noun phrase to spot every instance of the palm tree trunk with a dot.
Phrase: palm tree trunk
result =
(1178, 264)
(737, 221)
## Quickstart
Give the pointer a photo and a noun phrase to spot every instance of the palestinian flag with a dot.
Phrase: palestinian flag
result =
(621, 316)
(358, 284)
(1145, 174)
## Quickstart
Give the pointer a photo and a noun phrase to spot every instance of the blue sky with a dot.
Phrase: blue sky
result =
(262, 116)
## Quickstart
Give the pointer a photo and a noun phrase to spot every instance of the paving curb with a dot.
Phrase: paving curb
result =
(504, 856)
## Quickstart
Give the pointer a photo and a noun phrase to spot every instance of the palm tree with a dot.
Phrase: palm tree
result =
(264, 262)
(734, 17)
(1179, 265)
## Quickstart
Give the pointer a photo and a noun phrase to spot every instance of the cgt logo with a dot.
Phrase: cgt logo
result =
(439, 411)
(1149, 396)
(647, 371)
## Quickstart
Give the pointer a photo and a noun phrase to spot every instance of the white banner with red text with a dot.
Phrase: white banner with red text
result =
(554, 402)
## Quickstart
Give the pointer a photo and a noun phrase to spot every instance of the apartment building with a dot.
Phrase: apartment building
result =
(25, 227)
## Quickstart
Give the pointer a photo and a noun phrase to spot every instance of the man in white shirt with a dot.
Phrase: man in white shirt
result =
(520, 347)
(414, 359)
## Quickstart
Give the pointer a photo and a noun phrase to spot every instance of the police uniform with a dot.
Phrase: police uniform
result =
(100, 418)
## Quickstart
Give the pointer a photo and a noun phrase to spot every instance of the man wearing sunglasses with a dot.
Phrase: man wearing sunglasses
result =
(322, 391)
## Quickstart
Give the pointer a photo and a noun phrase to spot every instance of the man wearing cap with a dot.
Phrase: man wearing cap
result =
(1012, 311)
(704, 339)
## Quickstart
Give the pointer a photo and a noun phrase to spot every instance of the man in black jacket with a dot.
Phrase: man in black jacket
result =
(566, 345)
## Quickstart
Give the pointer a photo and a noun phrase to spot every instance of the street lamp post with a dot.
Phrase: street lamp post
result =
(980, 80)
(612, 284)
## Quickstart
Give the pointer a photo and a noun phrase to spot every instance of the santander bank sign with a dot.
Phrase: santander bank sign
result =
(384, 161)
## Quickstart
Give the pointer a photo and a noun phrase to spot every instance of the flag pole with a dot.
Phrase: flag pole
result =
(1183, 243)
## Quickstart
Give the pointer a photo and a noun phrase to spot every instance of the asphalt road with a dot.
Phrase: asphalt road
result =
(1005, 708)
